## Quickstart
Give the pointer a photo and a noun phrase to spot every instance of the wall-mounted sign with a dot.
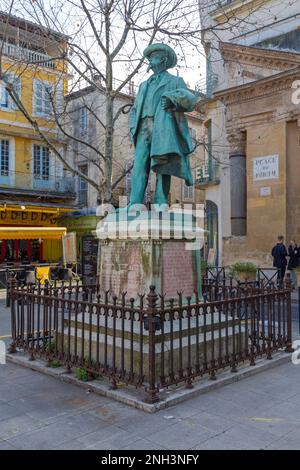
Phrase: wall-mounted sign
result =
(266, 168)
(90, 247)
(265, 191)
(27, 217)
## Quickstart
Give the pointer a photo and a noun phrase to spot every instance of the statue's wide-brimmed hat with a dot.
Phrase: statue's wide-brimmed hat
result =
(171, 55)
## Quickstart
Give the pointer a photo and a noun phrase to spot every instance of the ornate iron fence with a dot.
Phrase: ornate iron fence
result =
(150, 342)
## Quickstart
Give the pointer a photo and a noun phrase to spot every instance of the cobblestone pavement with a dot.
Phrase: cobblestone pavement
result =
(40, 412)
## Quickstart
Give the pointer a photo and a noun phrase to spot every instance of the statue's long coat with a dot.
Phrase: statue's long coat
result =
(171, 141)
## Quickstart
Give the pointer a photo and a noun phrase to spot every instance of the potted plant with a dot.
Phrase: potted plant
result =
(244, 271)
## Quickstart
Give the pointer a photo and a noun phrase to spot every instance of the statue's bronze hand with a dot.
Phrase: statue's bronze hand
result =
(166, 103)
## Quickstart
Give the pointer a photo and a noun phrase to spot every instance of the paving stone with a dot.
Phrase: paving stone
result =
(284, 444)
(6, 446)
(8, 411)
(52, 409)
(109, 437)
(213, 422)
(180, 412)
(74, 444)
(286, 410)
(147, 425)
(278, 426)
(116, 413)
(221, 443)
(9, 392)
(84, 422)
(18, 425)
(143, 444)
(183, 435)
(245, 398)
(51, 435)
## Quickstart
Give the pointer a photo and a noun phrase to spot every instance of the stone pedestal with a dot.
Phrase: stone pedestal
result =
(150, 252)
(91, 338)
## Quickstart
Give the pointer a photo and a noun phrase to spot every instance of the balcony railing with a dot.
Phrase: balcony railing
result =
(206, 86)
(206, 174)
(28, 55)
(216, 4)
(28, 183)
(55, 184)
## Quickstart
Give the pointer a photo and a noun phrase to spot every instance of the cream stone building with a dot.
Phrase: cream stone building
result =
(252, 126)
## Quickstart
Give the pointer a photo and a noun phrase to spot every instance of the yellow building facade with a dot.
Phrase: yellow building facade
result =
(34, 187)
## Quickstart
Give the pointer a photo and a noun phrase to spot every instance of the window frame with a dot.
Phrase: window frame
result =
(82, 181)
(43, 178)
(10, 105)
(83, 118)
(45, 109)
(8, 179)
(188, 192)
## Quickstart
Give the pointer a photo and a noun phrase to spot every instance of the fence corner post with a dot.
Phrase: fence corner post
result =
(12, 349)
(151, 313)
(289, 348)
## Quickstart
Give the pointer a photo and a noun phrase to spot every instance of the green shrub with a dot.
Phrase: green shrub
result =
(49, 345)
(242, 267)
(81, 374)
(55, 363)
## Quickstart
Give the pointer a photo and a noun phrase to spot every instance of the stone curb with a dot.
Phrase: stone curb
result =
(201, 386)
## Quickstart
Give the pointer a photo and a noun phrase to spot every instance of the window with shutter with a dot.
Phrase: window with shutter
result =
(83, 121)
(59, 96)
(188, 192)
(83, 186)
(6, 102)
(41, 163)
(4, 158)
(42, 97)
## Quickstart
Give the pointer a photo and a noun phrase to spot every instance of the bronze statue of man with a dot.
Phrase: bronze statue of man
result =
(159, 128)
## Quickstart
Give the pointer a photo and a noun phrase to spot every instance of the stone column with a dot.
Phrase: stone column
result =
(238, 183)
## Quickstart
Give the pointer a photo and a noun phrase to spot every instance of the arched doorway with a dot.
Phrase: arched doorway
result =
(212, 227)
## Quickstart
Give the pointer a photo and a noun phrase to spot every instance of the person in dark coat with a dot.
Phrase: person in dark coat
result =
(294, 254)
(279, 254)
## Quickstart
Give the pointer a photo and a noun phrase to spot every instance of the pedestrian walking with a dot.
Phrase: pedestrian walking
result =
(279, 254)
(294, 254)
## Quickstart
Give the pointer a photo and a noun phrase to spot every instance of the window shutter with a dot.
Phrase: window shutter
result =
(36, 161)
(48, 97)
(3, 96)
(188, 192)
(37, 97)
(4, 158)
(83, 120)
(17, 89)
(59, 166)
(59, 96)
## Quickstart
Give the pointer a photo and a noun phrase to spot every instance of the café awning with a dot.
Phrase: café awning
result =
(31, 233)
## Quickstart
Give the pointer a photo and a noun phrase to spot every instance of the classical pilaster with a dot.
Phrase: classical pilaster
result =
(238, 182)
